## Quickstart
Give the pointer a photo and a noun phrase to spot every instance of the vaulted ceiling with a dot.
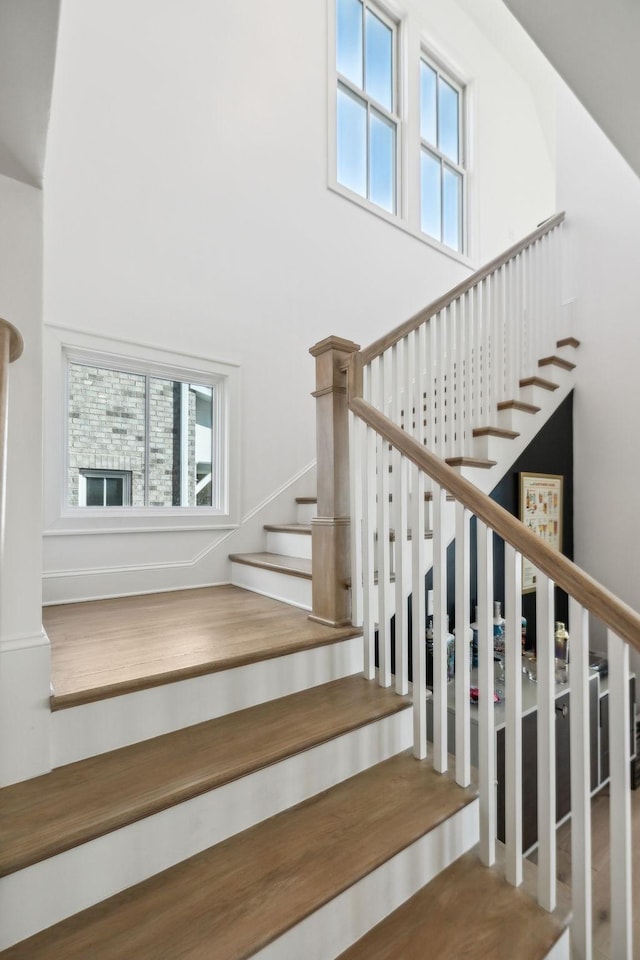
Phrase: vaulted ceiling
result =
(594, 45)
(28, 33)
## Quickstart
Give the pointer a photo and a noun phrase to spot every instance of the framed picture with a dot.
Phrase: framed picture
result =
(541, 511)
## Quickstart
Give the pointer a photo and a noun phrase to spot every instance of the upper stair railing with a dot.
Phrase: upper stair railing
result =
(11, 346)
(368, 408)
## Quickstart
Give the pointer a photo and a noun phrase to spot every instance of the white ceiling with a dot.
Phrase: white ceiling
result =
(28, 33)
(595, 46)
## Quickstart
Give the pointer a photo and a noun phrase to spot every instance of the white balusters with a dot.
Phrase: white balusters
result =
(620, 798)
(513, 714)
(400, 494)
(369, 606)
(418, 618)
(356, 439)
(546, 743)
(439, 632)
(382, 542)
(581, 927)
(486, 726)
(463, 650)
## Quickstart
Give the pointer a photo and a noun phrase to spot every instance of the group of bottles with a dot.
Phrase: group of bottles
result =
(561, 643)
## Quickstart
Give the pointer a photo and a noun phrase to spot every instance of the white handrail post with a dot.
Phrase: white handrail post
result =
(486, 674)
(439, 632)
(546, 746)
(581, 923)
(463, 635)
(513, 714)
(418, 619)
(620, 799)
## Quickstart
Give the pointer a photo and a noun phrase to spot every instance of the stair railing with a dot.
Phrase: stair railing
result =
(406, 402)
(11, 346)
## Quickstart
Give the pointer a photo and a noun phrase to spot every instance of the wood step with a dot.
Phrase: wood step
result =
(277, 562)
(556, 362)
(495, 432)
(303, 529)
(76, 803)
(467, 911)
(306, 499)
(237, 897)
(518, 405)
(567, 342)
(470, 462)
(539, 382)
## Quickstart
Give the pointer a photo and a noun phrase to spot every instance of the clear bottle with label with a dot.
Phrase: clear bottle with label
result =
(561, 643)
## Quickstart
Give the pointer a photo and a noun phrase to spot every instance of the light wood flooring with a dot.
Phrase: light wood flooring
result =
(108, 647)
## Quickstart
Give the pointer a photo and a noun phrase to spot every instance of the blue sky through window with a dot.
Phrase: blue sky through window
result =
(378, 61)
(349, 47)
(381, 154)
(352, 142)
(448, 120)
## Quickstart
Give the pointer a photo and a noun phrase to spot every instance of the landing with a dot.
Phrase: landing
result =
(103, 648)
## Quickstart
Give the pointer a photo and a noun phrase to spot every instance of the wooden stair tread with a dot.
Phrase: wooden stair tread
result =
(518, 405)
(278, 562)
(466, 911)
(556, 362)
(302, 528)
(539, 382)
(235, 898)
(106, 648)
(306, 499)
(495, 432)
(470, 462)
(567, 342)
(78, 802)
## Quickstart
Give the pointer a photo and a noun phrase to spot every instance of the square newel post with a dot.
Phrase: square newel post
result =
(331, 599)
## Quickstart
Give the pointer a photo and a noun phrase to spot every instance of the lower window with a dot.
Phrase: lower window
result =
(104, 488)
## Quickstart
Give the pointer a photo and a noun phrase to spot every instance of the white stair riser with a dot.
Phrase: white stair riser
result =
(289, 544)
(306, 512)
(271, 583)
(47, 892)
(517, 420)
(93, 728)
(492, 448)
(561, 950)
(332, 929)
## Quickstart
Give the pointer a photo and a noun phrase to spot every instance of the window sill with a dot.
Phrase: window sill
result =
(396, 221)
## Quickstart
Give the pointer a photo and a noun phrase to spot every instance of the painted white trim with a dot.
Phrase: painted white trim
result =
(64, 344)
(17, 642)
(133, 593)
(107, 530)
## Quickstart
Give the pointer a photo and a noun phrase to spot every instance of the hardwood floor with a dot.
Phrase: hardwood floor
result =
(107, 647)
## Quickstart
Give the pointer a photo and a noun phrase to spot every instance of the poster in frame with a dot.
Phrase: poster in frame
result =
(541, 511)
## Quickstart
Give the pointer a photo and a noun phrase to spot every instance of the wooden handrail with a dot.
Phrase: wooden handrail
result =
(615, 614)
(383, 343)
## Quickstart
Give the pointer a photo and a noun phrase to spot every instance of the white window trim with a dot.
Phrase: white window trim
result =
(407, 78)
(62, 344)
(461, 167)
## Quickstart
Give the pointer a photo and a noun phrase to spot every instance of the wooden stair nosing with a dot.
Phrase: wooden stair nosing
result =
(567, 342)
(303, 529)
(306, 500)
(276, 562)
(498, 921)
(250, 889)
(74, 804)
(518, 405)
(556, 362)
(495, 432)
(539, 382)
(470, 462)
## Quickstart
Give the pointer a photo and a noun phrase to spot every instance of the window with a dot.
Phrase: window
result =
(105, 488)
(366, 109)
(135, 439)
(442, 186)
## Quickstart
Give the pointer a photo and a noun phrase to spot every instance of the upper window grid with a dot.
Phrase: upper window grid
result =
(442, 172)
(367, 121)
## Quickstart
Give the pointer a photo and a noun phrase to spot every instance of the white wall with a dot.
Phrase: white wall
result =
(186, 206)
(24, 651)
(602, 198)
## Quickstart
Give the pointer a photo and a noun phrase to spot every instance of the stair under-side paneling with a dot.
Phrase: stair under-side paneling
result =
(307, 882)
(82, 833)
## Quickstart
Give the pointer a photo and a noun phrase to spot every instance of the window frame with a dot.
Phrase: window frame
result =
(460, 168)
(124, 475)
(62, 346)
(391, 19)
